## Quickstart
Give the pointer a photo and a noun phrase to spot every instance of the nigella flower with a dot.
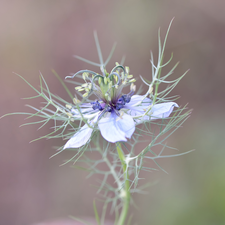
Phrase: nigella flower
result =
(113, 113)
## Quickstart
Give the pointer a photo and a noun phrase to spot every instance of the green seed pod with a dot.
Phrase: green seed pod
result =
(105, 80)
(110, 84)
(85, 75)
(99, 80)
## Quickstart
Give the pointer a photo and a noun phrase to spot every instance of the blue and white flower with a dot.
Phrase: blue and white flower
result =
(114, 113)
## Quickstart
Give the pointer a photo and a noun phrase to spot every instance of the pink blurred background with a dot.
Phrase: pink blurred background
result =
(43, 35)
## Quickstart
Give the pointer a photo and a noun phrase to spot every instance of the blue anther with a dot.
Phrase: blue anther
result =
(121, 100)
(119, 106)
(127, 98)
(96, 105)
(108, 108)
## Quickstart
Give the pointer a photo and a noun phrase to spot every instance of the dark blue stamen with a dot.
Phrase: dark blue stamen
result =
(108, 108)
(123, 100)
(96, 105)
(119, 106)
(127, 98)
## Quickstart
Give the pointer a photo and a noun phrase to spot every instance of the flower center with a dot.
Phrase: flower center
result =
(113, 106)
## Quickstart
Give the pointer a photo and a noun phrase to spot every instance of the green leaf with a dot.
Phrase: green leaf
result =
(63, 84)
(96, 213)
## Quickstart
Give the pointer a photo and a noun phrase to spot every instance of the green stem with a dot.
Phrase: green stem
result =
(126, 189)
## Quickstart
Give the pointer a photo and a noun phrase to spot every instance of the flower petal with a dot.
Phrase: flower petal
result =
(126, 124)
(137, 98)
(114, 128)
(80, 138)
(158, 111)
(138, 110)
(162, 110)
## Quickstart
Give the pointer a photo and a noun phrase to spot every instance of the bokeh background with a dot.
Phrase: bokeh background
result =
(45, 34)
